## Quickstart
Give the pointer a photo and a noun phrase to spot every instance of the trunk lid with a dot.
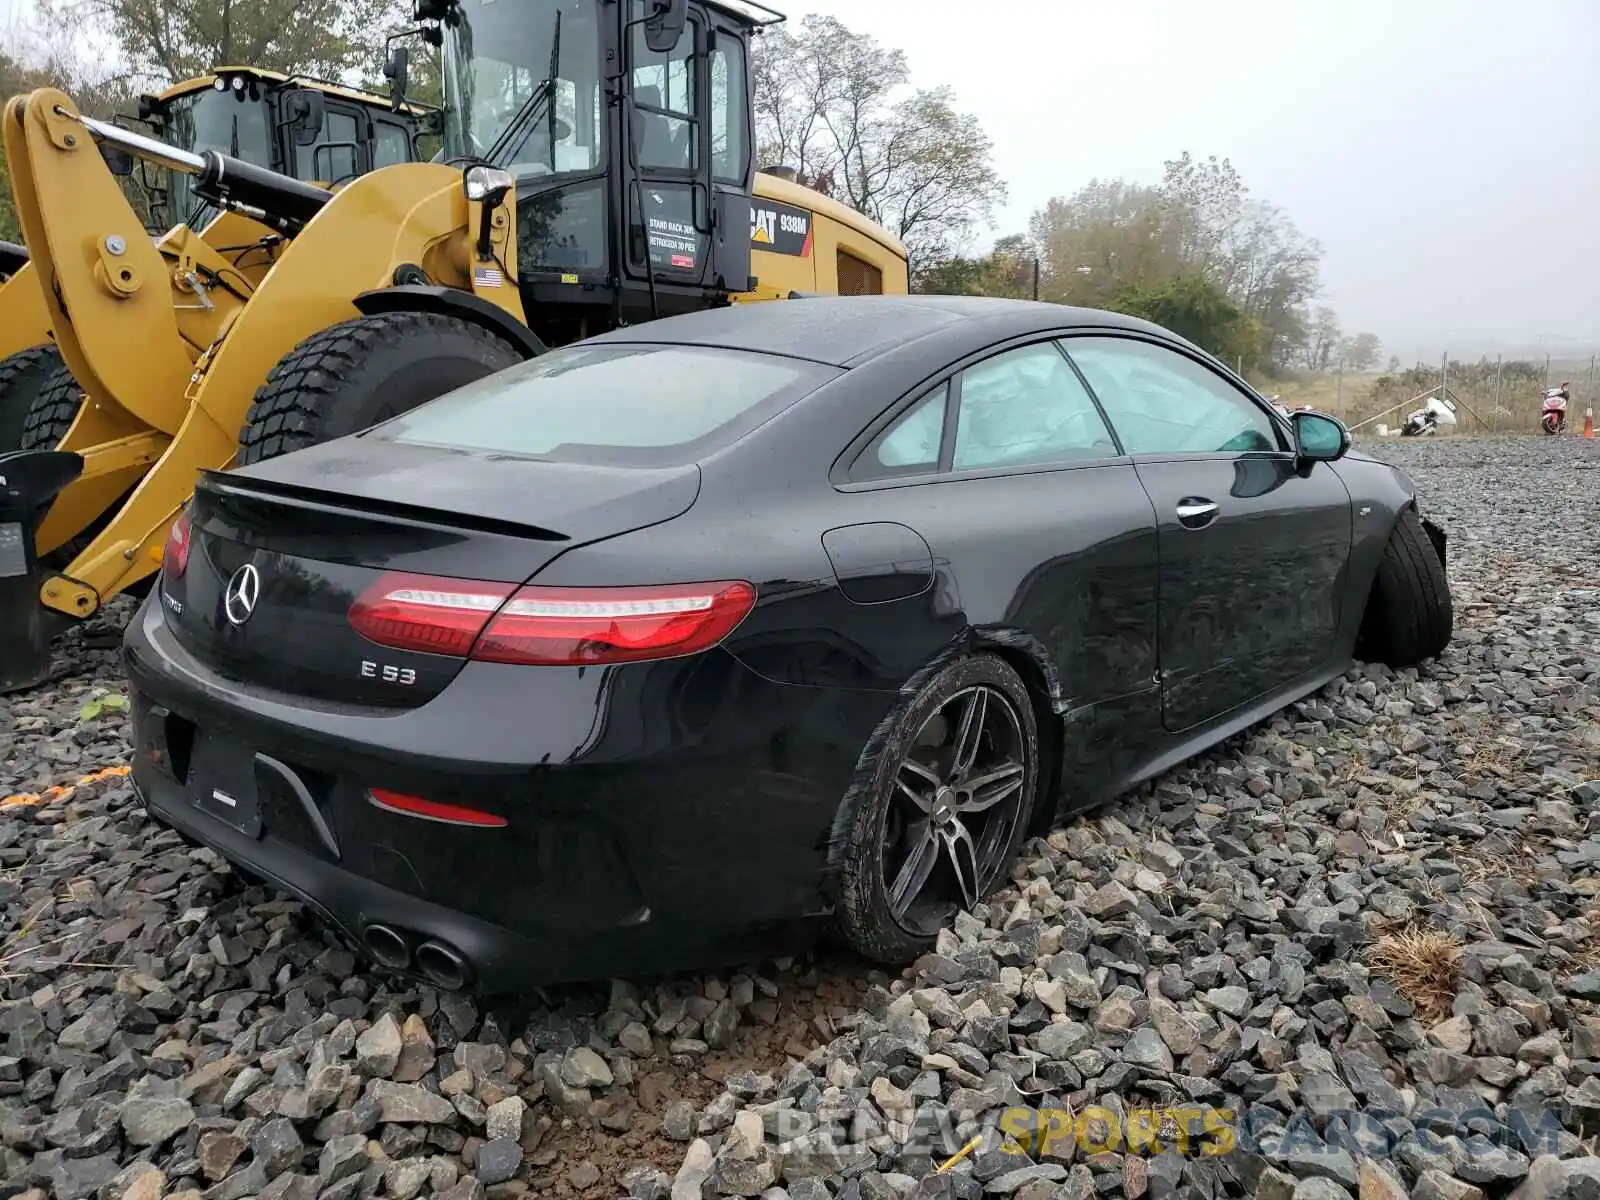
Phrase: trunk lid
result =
(280, 551)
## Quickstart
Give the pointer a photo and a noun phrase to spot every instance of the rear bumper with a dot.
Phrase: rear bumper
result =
(668, 816)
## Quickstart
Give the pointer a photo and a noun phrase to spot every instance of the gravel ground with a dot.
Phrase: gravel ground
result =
(1355, 951)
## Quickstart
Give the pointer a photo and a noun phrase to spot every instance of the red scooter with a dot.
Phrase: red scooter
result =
(1553, 416)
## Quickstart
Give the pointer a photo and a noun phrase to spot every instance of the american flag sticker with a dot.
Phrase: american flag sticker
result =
(487, 277)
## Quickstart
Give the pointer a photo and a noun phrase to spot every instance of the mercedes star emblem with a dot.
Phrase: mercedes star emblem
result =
(239, 601)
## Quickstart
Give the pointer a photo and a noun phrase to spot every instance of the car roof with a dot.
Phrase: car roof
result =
(845, 331)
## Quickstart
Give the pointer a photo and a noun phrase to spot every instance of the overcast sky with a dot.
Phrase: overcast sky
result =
(1445, 152)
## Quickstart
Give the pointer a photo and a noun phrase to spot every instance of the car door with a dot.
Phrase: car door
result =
(1007, 469)
(1253, 546)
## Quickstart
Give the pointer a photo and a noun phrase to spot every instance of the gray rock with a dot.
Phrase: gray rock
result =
(410, 1104)
(583, 1068)
(342, 1157)
(378, 1048)
(503, 1119)
(498, 1160)
(152, 1120)
(276, 1146)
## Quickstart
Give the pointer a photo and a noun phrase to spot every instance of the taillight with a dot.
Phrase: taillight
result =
(562, 625)
(175, 555)
(549, 626)
(427, 612)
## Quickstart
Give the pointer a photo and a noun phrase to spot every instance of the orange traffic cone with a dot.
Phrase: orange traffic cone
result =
(1588, 422)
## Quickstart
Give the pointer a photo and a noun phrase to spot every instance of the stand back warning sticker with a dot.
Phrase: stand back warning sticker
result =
(780, 229)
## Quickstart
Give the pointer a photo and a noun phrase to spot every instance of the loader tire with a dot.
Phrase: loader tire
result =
(22, 377)
(353, 375)
(54, 409)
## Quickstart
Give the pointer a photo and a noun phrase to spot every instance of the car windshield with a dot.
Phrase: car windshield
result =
(622, 405)
(530, 68)
(227, 122)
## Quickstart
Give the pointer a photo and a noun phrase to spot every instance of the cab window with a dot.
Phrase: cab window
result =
(665, 87)
(730, 140)
(336, 154)
(391, 145)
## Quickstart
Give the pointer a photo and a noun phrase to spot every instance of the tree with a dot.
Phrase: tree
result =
(169, 40)
(1360, 353)
(1323, 342)
(1113, 240)
(1006, 271)
(833, 105)
(1193, 308)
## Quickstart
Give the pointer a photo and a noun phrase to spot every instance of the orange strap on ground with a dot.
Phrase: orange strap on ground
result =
(61, 790)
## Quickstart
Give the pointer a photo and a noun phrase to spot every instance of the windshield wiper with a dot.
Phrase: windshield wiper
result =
(529, 110)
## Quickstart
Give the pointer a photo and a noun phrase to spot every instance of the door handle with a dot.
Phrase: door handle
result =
(1196, 512)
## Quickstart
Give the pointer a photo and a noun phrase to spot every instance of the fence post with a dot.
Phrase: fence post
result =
(1444, 379)
(1340, 374)
(1497, 365)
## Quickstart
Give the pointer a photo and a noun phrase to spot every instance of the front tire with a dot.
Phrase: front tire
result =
(1550, 425)
(1409, 616)
(22, 377)
(947, 806)
(55, 407)
(355, 374)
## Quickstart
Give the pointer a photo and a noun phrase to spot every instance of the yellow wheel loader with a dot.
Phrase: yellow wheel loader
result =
(306, 128)
(598, 170)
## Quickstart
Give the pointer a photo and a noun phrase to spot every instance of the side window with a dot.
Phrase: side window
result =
(858, 277)
(1026, 406)
(1161, 402)
(391, 145)
(910, 446)
(336, 154)
(664, 91)
(729, 114)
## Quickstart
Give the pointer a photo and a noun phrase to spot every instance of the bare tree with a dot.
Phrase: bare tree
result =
(834, 106)
(1360, 353)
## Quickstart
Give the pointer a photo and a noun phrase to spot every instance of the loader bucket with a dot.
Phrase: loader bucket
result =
(29, 481)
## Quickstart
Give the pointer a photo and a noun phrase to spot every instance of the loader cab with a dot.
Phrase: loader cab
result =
(305, 128)
(627, 127)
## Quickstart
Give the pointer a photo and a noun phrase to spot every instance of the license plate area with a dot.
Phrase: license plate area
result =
(222, 779)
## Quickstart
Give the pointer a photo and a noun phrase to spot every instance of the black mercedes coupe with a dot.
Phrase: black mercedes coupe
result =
(666, 646)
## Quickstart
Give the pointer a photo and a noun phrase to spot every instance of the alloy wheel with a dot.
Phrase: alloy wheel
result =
(958, 796)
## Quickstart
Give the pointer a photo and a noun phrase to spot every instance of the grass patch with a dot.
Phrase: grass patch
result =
(1424, 965)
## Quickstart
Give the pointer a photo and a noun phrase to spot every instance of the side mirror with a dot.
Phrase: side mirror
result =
(1319, 437)
(397, 71)
(306, 110)
(665, 24)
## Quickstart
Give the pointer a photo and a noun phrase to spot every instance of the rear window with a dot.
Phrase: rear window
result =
(642, 405)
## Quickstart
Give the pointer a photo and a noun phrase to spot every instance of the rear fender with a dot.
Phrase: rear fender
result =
(452, 302)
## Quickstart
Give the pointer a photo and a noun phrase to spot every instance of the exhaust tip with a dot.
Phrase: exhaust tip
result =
(387, 947)
(443, 966)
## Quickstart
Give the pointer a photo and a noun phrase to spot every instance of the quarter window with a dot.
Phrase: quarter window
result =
(1162, 402)
(910, 446)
